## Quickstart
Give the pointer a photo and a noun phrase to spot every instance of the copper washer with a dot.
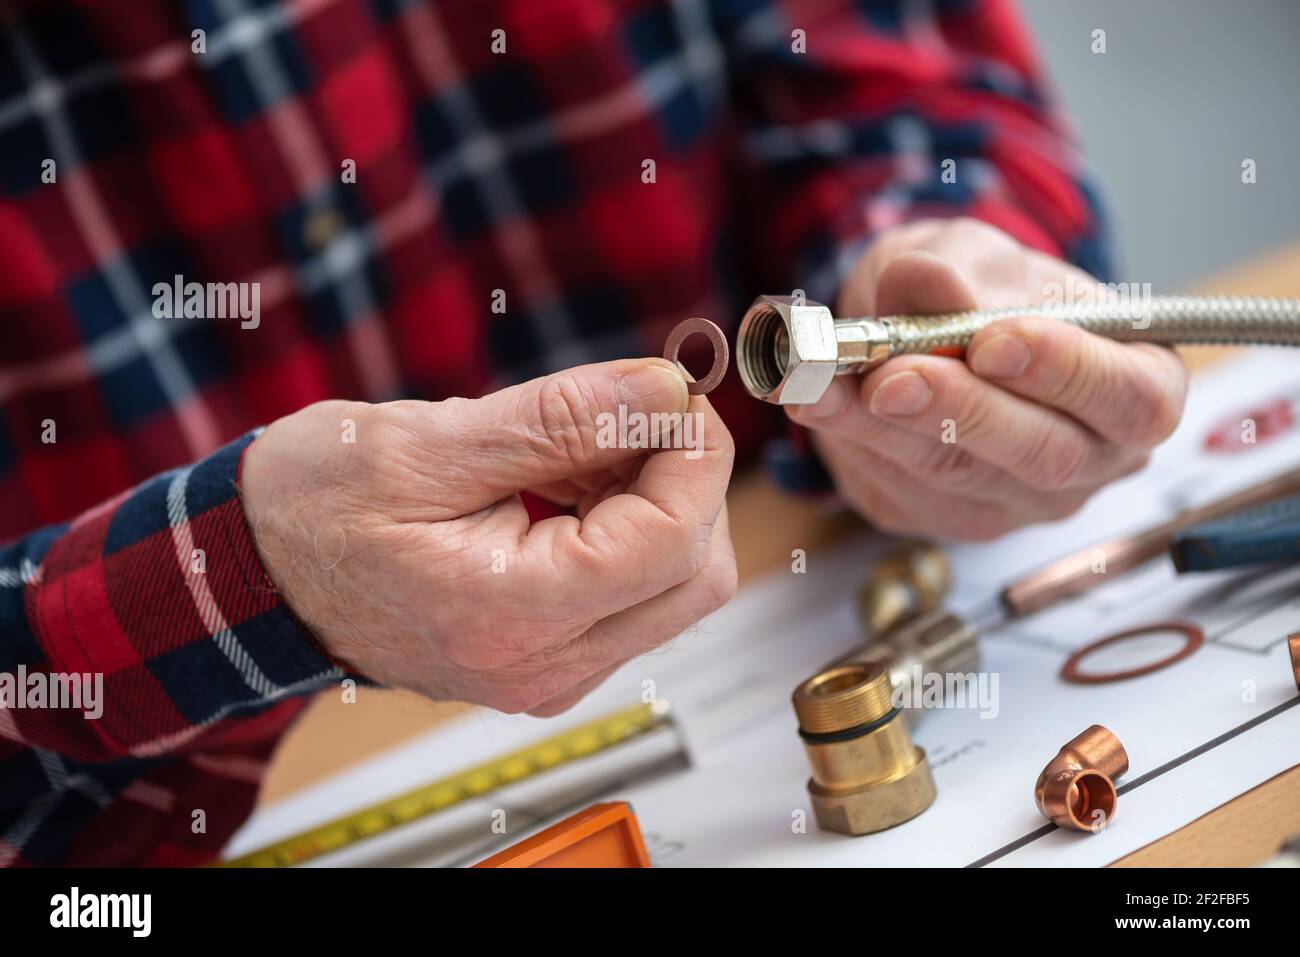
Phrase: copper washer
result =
(721, 352)
(1194, 636)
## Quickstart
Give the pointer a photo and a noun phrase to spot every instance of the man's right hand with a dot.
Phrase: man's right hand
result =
(409, 553)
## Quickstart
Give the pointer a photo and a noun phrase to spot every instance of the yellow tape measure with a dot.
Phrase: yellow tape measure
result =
(527, 762)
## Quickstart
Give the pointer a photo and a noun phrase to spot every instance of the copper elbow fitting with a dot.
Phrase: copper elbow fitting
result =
(1077, 788)
(867, 774)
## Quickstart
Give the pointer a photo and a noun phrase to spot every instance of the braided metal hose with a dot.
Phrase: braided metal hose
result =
(1225, 320)
(789, 350)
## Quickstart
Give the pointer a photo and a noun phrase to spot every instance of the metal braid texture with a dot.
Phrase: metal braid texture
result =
(1225, 320)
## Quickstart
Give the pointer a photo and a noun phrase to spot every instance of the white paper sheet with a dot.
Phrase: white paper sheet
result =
(730, 682)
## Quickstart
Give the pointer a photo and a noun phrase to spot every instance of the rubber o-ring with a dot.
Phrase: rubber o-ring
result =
(1193, 635)
(721, 352)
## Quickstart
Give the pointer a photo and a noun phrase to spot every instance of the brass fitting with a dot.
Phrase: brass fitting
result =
(867, 774)
(1077, 788)
(935, 643)
(904, 627)
(912, 579)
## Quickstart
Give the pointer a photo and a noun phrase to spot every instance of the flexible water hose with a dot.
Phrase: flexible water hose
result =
(788, 350)
(1225, 320)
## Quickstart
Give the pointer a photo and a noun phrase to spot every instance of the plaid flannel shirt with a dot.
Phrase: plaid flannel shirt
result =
(491, 168)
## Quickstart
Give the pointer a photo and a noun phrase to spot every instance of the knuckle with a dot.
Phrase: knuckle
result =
(567, 418)
(394, 428)
(596, 552)
(692, 541)
(980, 244)
(1160, 398)
(719, 582)
(1078, 382)
(1051, 461)
(726, 447)
(948, 465)
(1138, 404)
(447, 412)
(1133, 462)
(895, 241)
(973, 413)
(1169, 412)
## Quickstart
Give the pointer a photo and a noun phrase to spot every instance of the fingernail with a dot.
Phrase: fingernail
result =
(1005, 356)
(653, 388)
(903, 393)
(828, 406)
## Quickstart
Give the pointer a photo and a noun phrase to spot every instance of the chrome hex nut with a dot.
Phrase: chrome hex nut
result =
(786, 350)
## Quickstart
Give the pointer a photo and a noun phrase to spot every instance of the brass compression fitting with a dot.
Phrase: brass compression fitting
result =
(904, 627)
(788, 350)
(867, 774)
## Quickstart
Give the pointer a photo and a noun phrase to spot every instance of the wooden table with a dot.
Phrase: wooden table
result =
(764, 522)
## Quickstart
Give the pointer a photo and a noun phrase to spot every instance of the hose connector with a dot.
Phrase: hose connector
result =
(789, 349)
(1076, 790)
(867, 774)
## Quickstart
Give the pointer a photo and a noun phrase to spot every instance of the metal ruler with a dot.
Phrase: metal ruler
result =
(537, 758)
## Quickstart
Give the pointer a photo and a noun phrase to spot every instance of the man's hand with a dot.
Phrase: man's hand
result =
(409, 553)
(1038, 417)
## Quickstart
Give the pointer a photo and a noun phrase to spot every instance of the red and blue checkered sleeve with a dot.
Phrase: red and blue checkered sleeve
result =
(156, 607)
(862, 115)
(859, 116)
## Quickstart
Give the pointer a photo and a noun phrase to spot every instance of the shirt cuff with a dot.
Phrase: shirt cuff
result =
(163, 593)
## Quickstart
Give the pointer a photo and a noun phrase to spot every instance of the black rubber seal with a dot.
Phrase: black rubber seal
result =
(848, 734)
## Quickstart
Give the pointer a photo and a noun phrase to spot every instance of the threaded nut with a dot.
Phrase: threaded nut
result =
(786, 350)
(867, 774)
(844, 696)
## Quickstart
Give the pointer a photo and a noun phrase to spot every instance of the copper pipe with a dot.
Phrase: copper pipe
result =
(1076, 790)
(1077, 573)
